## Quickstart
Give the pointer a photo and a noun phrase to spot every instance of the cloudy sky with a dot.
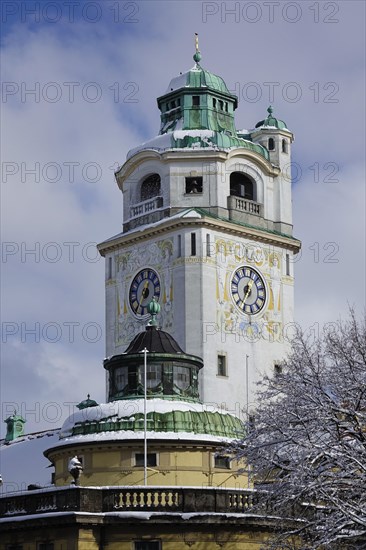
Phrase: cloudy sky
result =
(80, 81)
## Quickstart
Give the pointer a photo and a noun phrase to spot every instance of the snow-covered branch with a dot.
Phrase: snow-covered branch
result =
(308, 443)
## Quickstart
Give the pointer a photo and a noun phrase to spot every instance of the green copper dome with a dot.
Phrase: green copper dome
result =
(272, 121)
(197, 77)
(198, 100)
(197, 112)
(87, 403)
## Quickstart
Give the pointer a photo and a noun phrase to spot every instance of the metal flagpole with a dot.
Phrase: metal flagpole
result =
(145, 351)
(247, 384)
(247, 397)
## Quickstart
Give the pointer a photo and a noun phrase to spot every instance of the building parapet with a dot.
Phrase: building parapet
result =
(126, 499)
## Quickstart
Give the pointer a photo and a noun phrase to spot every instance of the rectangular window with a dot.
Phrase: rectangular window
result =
(179, 246)
(288, 265)
(222, 462)
(181, 377)
(214, 103)
(121, 378)
(221, 105)
(153, 375)
(208, 244)
(151, 459)
(133, 379)
(221, 365)
(193, 244)
(196, 100)
(147, 545)
(193, 185)
(109, 269)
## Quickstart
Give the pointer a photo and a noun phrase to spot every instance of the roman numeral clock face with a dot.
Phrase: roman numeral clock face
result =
(144, 286)
(248, 290)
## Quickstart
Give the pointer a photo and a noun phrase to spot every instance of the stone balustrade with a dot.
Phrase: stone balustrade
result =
(123, 499)
(145, 207)
(245, 205)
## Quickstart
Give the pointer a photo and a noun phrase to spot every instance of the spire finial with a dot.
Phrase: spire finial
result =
(197, 56)
(153, 308)
(270, 110)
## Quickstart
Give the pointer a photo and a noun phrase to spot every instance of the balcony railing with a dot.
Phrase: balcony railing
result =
(124, 499)
(145, 207)
(244, 205)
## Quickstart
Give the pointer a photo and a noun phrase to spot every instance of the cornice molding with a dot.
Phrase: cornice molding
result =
(227, 227)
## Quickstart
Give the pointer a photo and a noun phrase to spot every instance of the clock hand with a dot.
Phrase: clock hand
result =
(250, 284)
(143, 294)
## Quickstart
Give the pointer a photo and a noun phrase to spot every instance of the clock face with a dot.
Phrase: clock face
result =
(144, 286)
(248, 290)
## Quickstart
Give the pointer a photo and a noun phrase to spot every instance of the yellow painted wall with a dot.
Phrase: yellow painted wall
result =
(122, 538)
(65, 538)
(176, 465)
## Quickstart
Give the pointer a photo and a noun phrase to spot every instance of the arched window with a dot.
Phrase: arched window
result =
(150, 187)
(284, 146)
(242, 186)
(271, 144)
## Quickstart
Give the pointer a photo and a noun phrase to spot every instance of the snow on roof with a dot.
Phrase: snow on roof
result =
(267, 126)
(22, 462)
(140, 515)
(124, 435)
(158, 142)
(165, 141)
(181, 134)
(189, 213)
(127, 408)
(178, 82)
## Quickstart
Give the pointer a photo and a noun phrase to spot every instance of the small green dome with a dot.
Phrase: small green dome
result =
(87, 403)
(272, 121)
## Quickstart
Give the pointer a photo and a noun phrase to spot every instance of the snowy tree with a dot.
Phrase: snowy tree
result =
(307, 446)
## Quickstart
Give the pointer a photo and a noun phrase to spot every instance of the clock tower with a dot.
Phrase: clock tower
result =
(207, 231)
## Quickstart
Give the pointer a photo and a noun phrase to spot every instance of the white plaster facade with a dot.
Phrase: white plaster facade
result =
(196, 303)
